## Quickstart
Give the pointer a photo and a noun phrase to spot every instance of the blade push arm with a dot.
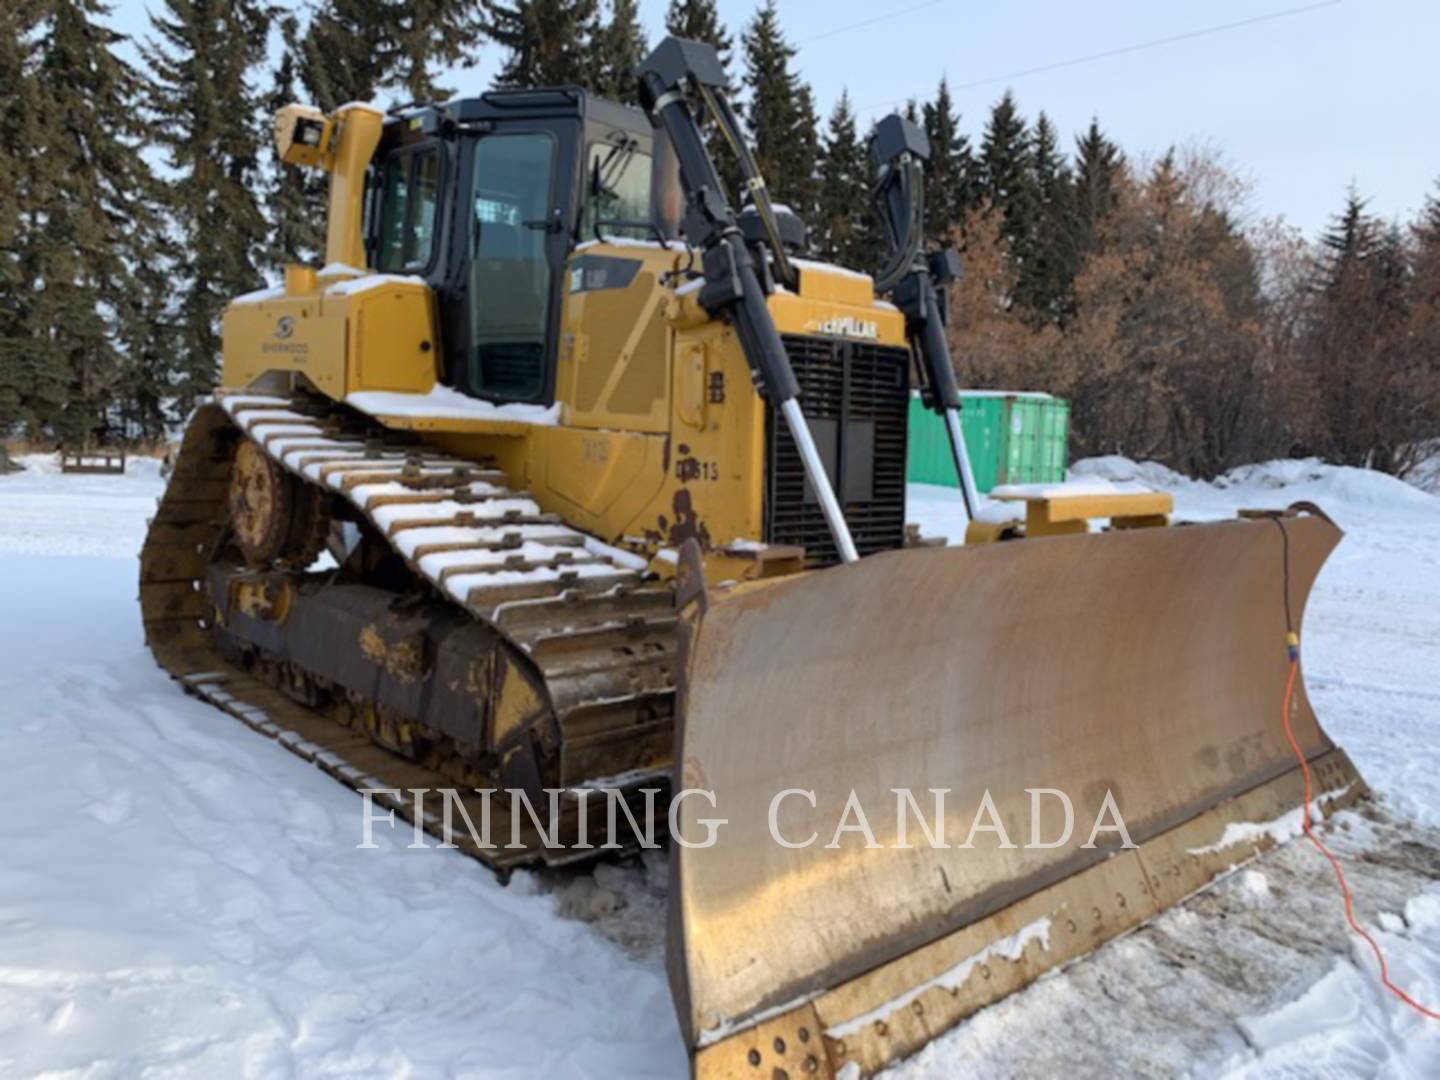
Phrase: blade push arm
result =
(911, 277)
(732, 289)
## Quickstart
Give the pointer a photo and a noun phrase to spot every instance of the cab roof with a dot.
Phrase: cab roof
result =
(496, 106)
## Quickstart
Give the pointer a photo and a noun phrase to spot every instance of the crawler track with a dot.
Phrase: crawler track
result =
(589, 639)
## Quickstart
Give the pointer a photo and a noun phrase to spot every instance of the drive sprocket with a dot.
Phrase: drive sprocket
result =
(275, 518)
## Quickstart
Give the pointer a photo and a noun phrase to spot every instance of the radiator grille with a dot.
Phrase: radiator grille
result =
(867, 385)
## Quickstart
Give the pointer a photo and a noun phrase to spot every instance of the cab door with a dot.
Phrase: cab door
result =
(517, 206)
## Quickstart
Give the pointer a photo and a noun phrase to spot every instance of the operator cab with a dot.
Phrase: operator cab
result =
(485, 199)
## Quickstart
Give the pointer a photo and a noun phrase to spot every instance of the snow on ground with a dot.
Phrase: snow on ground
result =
(44, 511)
(181, 897)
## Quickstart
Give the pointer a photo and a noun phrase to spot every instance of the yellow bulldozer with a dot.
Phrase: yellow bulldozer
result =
(563, 475)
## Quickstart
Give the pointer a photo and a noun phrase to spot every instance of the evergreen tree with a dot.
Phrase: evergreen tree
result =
(1098, 163)
(781, 115)
(1049, 169)
(1007, 174)
(430, 34)
(1047, 282)
(294, 197)
(620, 46)
(78, 217)
(845, 231)
(1423, 340)
(1360, 341)
(1426, 258)
(1390, 272)
(204, 114)
(950, 183)
(698, 21)
(1349, 243)
(347, 53)
(354, 49)
(19, 133)
(550, 42)
(150, 345)
(1005, 169)
(1427, 228)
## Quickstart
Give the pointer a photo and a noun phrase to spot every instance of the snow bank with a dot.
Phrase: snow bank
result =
(1351, 496)
(1426, 476)
(1314, 479)
(1122, 470)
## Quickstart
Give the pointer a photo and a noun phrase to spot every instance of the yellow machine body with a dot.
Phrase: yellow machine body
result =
(658, 433)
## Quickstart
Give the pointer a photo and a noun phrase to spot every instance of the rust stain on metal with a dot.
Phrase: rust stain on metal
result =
(688, 525)
(372, 645)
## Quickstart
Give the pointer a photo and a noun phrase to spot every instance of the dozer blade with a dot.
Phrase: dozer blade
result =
(1147, 665)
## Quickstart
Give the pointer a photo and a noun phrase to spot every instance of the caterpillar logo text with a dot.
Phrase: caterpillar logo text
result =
(846, 326)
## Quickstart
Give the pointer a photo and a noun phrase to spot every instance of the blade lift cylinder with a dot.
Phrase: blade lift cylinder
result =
(915, 279)
(732, 286)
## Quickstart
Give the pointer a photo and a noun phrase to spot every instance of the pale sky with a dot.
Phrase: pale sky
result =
(1302, 104)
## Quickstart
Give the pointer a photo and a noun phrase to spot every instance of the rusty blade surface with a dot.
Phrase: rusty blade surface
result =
(1149, 664)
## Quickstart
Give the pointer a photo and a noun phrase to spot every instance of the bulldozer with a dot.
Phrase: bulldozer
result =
(566, 474)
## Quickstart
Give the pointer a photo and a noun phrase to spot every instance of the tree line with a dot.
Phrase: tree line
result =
(136, 198)
(1183, 332)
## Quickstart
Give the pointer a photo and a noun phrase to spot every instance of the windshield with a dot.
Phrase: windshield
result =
(409, 205)
(617, 181)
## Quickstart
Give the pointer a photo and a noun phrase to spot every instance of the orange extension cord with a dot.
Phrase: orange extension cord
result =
(1292, 644)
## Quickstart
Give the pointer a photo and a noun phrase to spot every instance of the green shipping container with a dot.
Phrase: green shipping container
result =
(1013, 438)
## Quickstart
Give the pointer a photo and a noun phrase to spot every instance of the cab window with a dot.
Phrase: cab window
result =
(510, 270)
(617, 186)
(409, 209)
